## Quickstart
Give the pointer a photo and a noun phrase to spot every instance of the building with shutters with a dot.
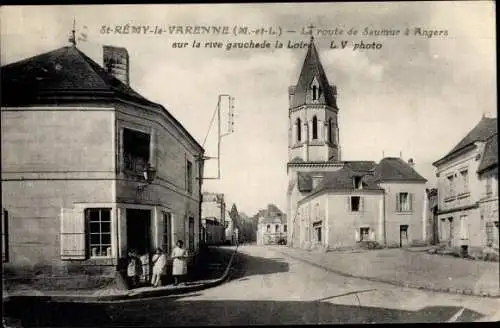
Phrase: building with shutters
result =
(468, 190)
(90, 168)
(333, 203)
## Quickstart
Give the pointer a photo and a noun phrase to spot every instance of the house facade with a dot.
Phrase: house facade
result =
(333, 203)
(467, 189)
(90, 168)
(213, 218)
(272, 226)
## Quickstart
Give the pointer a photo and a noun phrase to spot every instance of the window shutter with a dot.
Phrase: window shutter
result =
(356, 235)
(348, 204)
(361, 205)
(398, 205)
(410, 200)
(72, 235)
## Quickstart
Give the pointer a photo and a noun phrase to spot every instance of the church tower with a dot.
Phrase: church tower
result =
(313, 134)
(313, 137)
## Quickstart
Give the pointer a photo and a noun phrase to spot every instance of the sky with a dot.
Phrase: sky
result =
(416, 96)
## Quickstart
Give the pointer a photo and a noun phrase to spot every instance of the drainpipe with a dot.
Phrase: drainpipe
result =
(384, 217)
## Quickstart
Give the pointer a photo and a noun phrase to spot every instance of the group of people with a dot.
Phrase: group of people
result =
(139, 266)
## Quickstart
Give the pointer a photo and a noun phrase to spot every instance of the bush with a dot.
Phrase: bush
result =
(370, 245)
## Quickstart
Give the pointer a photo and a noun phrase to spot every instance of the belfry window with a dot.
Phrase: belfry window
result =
(330, 135)
(315, 128)
(319, 92)
(315, 96)
(299, 129)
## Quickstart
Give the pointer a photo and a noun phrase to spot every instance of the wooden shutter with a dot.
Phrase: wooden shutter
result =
(357, 235)
(72, 235)
(398, 205)
(410, 201)
(348, 204)
(361, 205)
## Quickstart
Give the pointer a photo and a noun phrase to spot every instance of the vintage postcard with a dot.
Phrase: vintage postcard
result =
(249, 164)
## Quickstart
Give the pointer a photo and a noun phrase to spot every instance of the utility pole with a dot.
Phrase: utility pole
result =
(220, 135)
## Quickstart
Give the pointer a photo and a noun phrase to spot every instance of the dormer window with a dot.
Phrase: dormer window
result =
(358, 184)
(316, 90)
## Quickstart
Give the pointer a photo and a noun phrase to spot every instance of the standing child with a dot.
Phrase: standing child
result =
(134, 268)
(159, 264)
(179, 269)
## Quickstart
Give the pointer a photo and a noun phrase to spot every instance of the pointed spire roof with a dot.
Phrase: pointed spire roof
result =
(312, 69)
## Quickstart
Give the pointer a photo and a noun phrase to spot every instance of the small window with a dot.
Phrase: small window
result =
(465, 180)
(299, 129)
(451, 185)
(189, 177)
(355, 203)
(357, 183)
(364, 234)
(268, 228)
(403, 202)
(315, 128)
(285, 228)
(330, 131)
(136, 146)
(99, 220)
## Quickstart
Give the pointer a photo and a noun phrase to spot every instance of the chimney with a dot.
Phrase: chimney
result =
(411, 162)
(116, 63)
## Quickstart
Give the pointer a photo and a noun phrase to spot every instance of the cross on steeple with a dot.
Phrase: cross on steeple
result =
(72, 38)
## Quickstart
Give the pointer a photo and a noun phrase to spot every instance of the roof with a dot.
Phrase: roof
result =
(361, 165)
(395, 169)
(312, 68)
(486, 128)
(66, 75)
(490, 154)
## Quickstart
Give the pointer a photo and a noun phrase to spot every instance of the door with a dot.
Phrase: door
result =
(403, 235)
(139, 230)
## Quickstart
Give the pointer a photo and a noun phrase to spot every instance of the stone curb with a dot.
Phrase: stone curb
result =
(468, 292)
(128, 295)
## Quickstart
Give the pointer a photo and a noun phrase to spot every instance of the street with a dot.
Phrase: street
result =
(267, 288)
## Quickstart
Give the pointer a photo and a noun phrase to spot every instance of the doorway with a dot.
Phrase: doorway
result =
(139, 230)
(403, 235)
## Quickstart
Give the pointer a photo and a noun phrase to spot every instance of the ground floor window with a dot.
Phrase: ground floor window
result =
(464, 233)
(99, 223)
(318, 232)
(284, 228)
(364, 234)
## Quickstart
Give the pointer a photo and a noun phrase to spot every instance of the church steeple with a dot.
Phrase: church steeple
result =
(313, 125)
(312, 86)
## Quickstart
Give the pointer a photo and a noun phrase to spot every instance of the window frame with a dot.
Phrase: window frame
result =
(298, 121)
(189, 176)
(133, 169)
(315, 128)
(89, 233)
(351, 203)
(361, 229)
(409, 200)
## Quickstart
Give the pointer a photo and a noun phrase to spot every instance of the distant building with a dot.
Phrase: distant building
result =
(213, 218)
(468, 190)
(272, 226)
(334, 203)
(90, 168)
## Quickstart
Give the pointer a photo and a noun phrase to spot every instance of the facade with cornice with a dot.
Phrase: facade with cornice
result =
(468, 190)
(90, 168)
(333, 203)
